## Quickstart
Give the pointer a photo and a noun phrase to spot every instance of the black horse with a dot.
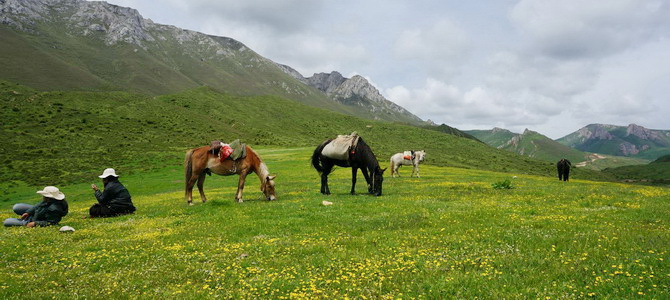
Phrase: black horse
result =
(563, 167)
(360, 156)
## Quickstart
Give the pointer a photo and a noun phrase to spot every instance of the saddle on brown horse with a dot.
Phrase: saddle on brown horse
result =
(234, 150)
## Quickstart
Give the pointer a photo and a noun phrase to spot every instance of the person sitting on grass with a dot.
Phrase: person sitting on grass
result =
(114, 200)
(48, 212)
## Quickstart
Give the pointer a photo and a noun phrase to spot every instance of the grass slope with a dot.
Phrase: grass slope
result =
(56, 60)
(71, 136)
(448, 234)
(496, 137)
(536, 145)
(529, 143)
(657, 172)
(450, 130)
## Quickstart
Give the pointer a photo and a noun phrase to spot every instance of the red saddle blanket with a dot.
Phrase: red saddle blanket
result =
(225, 152)
(234, 150)
(407, 157)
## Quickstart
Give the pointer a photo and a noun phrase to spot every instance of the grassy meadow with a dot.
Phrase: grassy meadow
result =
(52, 138)
(446, 234)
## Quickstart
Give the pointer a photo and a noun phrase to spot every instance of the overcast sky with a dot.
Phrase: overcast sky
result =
(551, 66)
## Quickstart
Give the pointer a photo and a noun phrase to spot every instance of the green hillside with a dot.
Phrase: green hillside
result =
(496, 137)
(657, 171)
(529, 143)
(57, 59)
(597, 161)
(536, 145)
(450, 130)
(70, 136)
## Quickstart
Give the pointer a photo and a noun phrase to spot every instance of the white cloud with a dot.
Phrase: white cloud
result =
(311, 54)
(279, 16)
(480, 105)
(578, 29)
(549, 77)
(439, 48)
(550, 65)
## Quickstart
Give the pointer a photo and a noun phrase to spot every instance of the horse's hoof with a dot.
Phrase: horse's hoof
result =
(190, 204)
(239, 200)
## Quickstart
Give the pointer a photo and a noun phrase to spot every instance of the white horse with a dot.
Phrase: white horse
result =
(407, 158)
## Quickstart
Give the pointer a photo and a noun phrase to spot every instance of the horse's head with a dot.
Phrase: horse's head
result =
(377, 180)
(420, 155)
(268, 188)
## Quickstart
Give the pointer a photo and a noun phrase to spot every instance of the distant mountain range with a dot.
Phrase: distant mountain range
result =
(533, 144)
(96, 46)
(528, 143)
(632, 140)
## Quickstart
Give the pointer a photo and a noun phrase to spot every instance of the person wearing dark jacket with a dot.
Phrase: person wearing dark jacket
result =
(114, 200)
(48, 212)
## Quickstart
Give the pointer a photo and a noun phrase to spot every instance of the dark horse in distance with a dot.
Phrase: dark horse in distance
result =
(357, 155)
(563, 167)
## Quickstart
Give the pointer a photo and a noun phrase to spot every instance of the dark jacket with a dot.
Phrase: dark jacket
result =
(116, 197)
(48, 213)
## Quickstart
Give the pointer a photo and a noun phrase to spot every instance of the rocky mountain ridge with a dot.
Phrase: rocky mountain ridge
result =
(355, 91)
(175, 59)
(631, 140)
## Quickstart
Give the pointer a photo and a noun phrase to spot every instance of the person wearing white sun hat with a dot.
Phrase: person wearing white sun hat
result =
(114, 200)
(48, 212)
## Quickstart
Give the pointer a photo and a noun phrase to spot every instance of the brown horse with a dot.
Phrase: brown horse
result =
(200, 161)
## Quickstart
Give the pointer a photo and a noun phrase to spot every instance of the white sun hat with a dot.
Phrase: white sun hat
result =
(108, 172)
(52, 192)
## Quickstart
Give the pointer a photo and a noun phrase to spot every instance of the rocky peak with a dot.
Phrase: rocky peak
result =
(116, 23)
(641, 132)
(113, 24)
(356, 91)
(513, 142)
(595, 131)
(22, 14)
(628, 149)
(498, 129)
(326, 82)
(359, 86)
(293, 72)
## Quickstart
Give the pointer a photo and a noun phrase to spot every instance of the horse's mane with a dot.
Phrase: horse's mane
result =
(262, 169)
(366, 154)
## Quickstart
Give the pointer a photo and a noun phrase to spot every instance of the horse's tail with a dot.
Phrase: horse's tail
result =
(188, 165)
(316, 161)
(392, 167)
